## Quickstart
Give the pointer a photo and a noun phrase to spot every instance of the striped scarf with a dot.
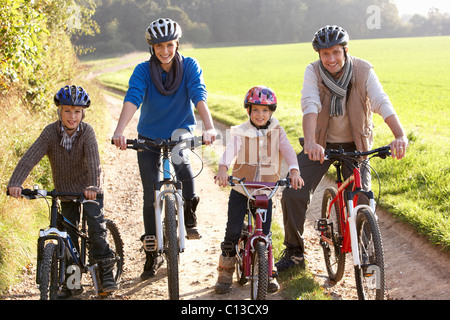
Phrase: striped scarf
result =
(338, 87)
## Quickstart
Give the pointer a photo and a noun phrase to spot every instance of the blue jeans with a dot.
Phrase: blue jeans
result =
(149, 168)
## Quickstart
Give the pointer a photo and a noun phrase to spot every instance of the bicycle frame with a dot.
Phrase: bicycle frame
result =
(348, 212)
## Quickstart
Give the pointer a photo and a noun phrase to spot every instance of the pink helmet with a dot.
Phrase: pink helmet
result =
(261, 95)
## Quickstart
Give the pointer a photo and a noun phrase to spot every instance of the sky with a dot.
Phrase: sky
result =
(422, 6)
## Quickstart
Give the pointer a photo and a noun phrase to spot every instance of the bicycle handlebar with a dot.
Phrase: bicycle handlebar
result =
(333, 154)
(137, 144)
(36, 193)
(273, 186)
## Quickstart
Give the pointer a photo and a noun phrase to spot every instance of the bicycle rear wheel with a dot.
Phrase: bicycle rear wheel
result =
(260, 272)
(171, 246)
(116, 245)
(49, 272)
(334, 257)
(370, 277)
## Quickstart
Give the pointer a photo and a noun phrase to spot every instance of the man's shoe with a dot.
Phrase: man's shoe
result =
(291, 257)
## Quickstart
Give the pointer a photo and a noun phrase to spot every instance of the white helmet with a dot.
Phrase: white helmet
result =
(163, 30)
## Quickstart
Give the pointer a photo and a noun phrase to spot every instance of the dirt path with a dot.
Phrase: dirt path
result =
(414, 269)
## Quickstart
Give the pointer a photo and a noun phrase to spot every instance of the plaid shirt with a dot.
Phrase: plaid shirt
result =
(67, 141)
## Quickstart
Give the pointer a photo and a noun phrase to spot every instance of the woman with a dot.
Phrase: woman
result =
(166, 89)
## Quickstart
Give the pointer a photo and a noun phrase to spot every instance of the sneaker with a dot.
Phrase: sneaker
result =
(291, 257)
(152, 263)
(273, 285)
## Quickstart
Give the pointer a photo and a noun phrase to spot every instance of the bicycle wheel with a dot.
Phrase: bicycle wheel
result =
(370, 277)
(334, 257)
(260, 272)
(49, 272)
(171, 246)
(116, 245)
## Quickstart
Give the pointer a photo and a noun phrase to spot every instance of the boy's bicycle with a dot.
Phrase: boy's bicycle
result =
(346, 226)
(60, 260)
(170, 232)
(254, 248)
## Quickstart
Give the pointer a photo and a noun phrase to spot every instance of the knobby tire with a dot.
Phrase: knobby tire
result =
(49, 272)
(171, 246)
(334, 257)
(260, 272)
(369, 285)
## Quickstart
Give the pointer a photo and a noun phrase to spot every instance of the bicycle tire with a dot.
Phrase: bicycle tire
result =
(260, 272)
(334, 257)
(171, 246)
(49, 272)
(370, 277)
(116, 245)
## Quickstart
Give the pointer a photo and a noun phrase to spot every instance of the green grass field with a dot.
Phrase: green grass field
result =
(413, 73)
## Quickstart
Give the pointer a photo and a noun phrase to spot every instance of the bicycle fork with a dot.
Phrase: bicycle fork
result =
(159, 200)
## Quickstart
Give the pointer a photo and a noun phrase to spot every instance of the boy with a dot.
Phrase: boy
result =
(258, 146)
(71, 146)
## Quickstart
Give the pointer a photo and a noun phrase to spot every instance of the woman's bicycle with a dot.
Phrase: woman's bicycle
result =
(254, 248)
(346, 226)
(170, 231)
(59, 256)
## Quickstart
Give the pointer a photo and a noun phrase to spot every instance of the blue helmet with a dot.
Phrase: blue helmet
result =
(72, 96)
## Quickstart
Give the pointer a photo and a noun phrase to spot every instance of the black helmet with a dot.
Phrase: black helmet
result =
(72, 96)
(163, 30)
(329, 36)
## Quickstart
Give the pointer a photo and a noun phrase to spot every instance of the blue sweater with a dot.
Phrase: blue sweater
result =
(161, 115)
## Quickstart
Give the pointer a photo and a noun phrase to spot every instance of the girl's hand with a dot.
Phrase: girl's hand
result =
(296, 180)
(222, 177)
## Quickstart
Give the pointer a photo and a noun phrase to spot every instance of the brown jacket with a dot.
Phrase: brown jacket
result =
(72, 171)
(358, 107)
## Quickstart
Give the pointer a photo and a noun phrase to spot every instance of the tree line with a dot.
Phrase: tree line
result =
(246, 22)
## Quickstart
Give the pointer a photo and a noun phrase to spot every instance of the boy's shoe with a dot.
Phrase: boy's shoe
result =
(152, 263)
(107, 280)
(291, 257)
(190, 218)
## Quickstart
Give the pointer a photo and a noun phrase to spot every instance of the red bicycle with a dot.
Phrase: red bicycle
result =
(254, 248)
(346, 226)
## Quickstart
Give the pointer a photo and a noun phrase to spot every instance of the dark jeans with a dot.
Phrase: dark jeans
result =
(295, 203)
(149, 168)
(97, 231)
(237, 210)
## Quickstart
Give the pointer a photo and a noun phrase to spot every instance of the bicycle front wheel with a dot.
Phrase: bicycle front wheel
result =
(260, 272)
(370, 277)
(49, 272)
(171, 246)
(331, 241)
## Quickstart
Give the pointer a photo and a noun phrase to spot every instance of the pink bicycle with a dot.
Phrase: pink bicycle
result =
(254, 248)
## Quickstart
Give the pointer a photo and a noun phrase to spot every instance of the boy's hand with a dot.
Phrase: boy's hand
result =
(296, 181)
(15, 192)
(222, 177)
(90, 195)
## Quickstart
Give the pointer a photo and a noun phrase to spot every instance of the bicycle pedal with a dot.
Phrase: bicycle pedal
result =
(150, 243)
(321, 225)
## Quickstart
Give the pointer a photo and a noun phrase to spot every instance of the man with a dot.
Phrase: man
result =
(339, 94)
